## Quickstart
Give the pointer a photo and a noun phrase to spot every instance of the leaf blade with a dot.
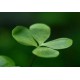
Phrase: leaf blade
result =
(40, 32)
(45, 52)
(6, 62)
(60, 43)
(23, 35)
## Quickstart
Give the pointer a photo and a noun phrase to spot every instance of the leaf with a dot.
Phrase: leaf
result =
(6, 61)
(45, 52)
(40, 32)
(23, 36)
(59, 43)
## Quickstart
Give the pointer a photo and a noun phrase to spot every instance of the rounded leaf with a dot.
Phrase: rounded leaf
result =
(23, 35)
(40, 32)
(45, 52)
(60, 43)
(6, 62)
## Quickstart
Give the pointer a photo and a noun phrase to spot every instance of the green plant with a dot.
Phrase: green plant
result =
(6, 62)
(36, 36)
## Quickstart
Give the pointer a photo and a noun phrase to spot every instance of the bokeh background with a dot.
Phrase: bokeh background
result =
(62, 24)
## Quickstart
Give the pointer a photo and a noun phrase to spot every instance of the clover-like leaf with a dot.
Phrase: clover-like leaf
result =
(23, 35)
(60, 43)
(45, 52)
(40, 32)
(6, 62)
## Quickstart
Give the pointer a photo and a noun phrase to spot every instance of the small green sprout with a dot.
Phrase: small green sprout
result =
(36, 36)
(6, 62)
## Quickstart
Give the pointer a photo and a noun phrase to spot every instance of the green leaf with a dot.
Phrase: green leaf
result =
(23, 36)
(45, 52)
(40, 32)
(6, 62)
(60, 43)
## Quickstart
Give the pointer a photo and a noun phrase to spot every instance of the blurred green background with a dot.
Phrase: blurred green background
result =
(63, 24)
